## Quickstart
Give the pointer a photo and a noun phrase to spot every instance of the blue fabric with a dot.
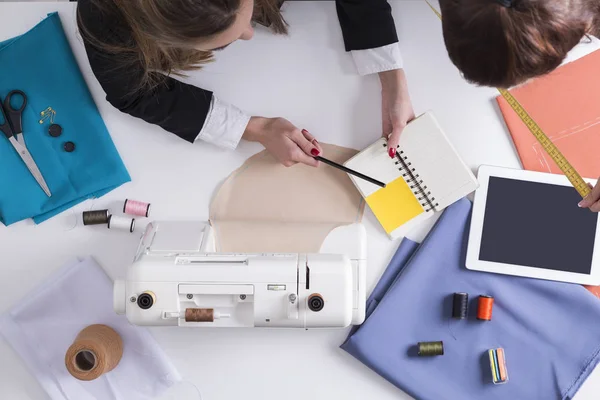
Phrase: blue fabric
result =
(550, 331)
(41, 64)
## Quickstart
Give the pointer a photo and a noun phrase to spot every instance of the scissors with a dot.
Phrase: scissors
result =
(10, 125)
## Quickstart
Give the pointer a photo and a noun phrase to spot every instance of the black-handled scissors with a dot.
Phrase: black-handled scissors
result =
(11, 126)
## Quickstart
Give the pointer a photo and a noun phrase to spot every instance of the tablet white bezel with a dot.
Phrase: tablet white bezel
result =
(473, 262)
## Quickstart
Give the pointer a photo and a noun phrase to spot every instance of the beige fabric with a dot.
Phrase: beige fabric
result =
(266, 207)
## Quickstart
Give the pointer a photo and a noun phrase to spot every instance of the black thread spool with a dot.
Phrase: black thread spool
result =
(96, 217)
(460, 305)
(428, 349)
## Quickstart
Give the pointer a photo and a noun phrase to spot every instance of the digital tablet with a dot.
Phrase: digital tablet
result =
(528, 223)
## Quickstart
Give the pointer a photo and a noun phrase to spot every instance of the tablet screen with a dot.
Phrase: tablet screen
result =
(537, 225)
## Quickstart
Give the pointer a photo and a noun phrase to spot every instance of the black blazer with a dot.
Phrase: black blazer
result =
(181, 108)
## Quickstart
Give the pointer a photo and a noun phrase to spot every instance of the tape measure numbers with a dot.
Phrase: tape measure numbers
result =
(561, 161)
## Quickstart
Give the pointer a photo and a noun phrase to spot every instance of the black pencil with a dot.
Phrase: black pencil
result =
(350, 171)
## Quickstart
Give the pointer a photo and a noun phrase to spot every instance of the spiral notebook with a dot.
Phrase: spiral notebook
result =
(426, 176)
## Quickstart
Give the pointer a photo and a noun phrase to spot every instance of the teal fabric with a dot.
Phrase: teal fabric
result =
(41, 64)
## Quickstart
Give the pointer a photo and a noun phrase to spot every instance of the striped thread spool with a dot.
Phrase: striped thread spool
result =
(498, 366)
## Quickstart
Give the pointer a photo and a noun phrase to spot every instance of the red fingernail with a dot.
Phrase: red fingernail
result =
(304, 131)
(314, 152)
(392, 152)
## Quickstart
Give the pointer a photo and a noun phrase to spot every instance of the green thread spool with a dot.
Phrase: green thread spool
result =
(428, 349)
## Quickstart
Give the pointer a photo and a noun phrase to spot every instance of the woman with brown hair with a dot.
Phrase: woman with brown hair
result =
(136, 46)
(503, 43)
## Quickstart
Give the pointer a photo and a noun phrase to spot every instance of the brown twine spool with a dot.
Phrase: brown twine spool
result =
(199, 315)
(96, 350)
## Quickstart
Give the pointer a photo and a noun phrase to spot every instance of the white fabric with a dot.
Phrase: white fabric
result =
(380, 59)
(224, 125)
(43, 326)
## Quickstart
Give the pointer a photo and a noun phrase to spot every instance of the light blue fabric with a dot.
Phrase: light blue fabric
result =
(41, 64)
(550, 331)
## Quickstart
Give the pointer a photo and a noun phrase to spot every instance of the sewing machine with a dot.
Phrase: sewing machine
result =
(178, 279)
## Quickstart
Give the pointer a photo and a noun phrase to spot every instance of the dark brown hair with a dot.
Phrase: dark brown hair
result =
(163, 31)
(500, 46)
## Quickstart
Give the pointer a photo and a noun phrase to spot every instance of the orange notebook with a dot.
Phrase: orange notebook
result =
(566, 105)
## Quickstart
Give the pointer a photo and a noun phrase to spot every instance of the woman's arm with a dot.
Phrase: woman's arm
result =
(190, 112)
(187, 111)
(366, 24)
(175, 106)
(370, 35)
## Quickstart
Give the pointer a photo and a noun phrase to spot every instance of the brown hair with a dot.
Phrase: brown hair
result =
(162, 31)
(495, 45)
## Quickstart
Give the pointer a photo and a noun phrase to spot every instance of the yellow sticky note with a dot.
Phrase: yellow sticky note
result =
(394, 205)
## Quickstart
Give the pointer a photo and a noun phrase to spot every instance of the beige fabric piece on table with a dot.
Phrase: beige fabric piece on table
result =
(266, 207)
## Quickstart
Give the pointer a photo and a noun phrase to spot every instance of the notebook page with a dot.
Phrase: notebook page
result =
(393, 205)
(375, 162)
(436, 161)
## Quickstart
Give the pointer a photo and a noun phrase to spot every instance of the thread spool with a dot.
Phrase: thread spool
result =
(498, 366)
(121, 223)
(428, 349)
(96, 217)
(460, 305)
(199, 315)
(96, 350)
(134, 207)
(484, 308)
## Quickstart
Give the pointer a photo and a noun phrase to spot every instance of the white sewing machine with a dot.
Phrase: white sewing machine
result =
(178, 279)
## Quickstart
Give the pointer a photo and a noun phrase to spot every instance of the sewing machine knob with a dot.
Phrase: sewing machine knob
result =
(315, 302)
(145, 300)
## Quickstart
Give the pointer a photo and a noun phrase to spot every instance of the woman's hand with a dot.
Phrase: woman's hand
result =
(288, 144)
(592, 200)
(396, 108)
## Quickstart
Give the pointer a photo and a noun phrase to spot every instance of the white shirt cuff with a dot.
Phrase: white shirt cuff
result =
(224, 125)
(380, 59)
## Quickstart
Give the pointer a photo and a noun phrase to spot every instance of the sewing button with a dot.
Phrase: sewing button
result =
(69, 147)
(55, 130)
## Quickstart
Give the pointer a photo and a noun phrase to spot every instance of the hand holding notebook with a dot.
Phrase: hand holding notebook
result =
(427, 175)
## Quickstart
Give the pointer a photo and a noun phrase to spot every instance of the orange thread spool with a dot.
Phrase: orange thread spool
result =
(484, 308)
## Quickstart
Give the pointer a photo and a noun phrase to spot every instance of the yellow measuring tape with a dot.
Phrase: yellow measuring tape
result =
(561, 161)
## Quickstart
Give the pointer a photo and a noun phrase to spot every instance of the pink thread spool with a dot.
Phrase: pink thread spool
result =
(133, 207)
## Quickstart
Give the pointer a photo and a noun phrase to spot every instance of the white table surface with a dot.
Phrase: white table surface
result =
(308, 79)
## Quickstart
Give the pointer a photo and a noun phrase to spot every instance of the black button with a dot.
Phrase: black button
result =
(55, 130)
(69, 146)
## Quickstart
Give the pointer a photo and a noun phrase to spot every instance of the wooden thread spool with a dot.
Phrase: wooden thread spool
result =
(199, 315)
(96, 350)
